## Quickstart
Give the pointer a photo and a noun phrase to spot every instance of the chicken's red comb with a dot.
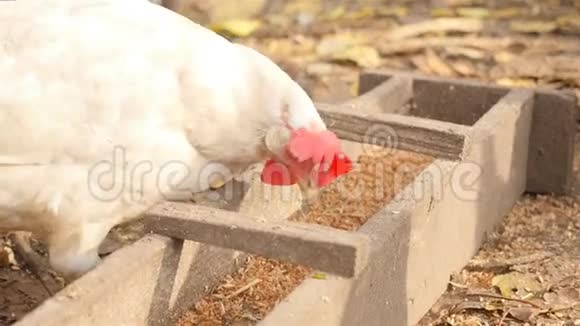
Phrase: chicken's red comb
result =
(317, 146)
(322, 149)
(307, 150)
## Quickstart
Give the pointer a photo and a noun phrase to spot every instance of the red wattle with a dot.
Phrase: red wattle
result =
(277, 174)
(340, 165)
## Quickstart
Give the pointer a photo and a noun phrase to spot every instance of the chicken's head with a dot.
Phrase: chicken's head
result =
(303, 151)
(299, 148)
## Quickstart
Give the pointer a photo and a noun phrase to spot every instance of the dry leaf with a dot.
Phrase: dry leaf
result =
(319, 69)
(420, 62)
(442, 12)
(335, 13)
(464, 67)
(508, 13)
(564, 67)
(458, 3)
(470, 53)
(349, 47)
(363, 56)
(517, 82)
(296, 7)
(562, 298)
(437, 65)
(237, 27)
(439, 25)
(570, 294)
(304, 19)
(340, 42)
(533, 26)
(491, 44)
(473, 12)
(551, 298)
(461, 320)
(289, 47)
(569, 21)
(524, 314)
(365, 12)
(503, 57)
(392, 11)
(283, 21)
(319, 276)
(517, 285)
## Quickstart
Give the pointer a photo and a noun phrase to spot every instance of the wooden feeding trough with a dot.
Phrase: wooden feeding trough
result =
(490, 145)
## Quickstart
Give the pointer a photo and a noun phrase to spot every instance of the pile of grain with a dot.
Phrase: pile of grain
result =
(247, 295)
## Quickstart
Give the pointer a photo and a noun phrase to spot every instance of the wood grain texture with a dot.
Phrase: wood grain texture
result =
(551, 151)
(436, 138)
(329, 250)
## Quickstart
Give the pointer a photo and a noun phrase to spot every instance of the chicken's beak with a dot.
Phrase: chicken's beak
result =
(308, 189)
(275, 141)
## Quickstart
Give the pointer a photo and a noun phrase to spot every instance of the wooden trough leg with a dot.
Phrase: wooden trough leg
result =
(429, 231)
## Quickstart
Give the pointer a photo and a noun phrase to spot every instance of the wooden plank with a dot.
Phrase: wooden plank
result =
(326, 249)
(388, 97)
(429, 231)
(452, 100)
(455, 102)
(553, 131)
(436, 138)
(370, 79)
(550, 166)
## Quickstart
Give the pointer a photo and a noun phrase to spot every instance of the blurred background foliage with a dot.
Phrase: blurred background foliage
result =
(323, 44)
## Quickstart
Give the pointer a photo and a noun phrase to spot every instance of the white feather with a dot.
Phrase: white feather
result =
(91, 87)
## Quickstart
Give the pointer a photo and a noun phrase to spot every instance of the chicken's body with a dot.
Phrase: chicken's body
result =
(90, 85)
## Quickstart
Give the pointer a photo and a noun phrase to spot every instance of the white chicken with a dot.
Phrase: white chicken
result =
(108, 107)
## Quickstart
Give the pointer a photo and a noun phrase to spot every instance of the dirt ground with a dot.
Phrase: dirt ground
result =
(528, 272)
(24, 286)
(20, 292)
